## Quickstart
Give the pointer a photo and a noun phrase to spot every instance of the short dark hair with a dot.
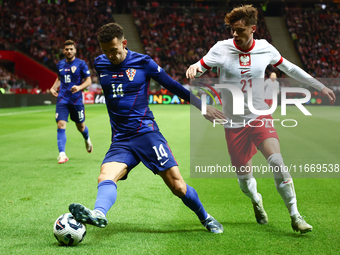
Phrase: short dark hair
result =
(69, 42)
(247, 13)
(109, 32)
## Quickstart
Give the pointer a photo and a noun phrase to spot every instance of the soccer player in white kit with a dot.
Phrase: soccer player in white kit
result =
(241, 62)
(269, 85)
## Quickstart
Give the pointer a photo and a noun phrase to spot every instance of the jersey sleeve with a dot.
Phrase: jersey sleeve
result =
(276, 58)
(211, 59)
(95, 64)
(58, 73)
(157, 73)
(85, 72)
(300, 75)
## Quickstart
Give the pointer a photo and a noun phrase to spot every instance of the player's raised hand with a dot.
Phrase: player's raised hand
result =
(329, 93)
(214, 114)
(54, 92)
(74, 89)
(192, 71)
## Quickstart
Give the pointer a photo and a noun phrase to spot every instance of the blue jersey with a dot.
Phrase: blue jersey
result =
(70, 74)
(126, 88)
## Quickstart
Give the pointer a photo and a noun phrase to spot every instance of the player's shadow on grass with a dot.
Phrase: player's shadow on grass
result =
(232, 227)
(114, 228)
(281, 231)
(271, 228)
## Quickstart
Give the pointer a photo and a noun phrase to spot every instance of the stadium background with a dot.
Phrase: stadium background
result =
(174, 33)
(147, 218)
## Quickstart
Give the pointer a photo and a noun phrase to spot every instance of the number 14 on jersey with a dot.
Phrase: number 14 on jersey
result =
(117, 90)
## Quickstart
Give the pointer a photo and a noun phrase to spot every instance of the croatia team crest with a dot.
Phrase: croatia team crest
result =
(73, 69)
(131, 73)
(244, 59)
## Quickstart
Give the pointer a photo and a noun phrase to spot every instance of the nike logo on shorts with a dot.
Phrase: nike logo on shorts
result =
(271, 131)
(162, 163)
(243, 72)
(102, 75)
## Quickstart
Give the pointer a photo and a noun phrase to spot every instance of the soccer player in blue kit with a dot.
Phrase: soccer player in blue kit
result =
(125, 76)
(71, 71)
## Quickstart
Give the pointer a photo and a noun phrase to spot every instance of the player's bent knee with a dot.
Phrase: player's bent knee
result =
(112, 171)
(112, 177)
(61, 125)
(81, 127)
(275, 159)
(103, 177)
(179, 188)
(173, 179)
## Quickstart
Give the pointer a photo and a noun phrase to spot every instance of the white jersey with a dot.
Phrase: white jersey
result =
(269, 86)
(242, 69)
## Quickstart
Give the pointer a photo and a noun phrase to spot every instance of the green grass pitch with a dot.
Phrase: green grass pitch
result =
(147, 218)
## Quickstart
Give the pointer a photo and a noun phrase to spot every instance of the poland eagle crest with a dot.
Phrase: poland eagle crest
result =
(244, 59)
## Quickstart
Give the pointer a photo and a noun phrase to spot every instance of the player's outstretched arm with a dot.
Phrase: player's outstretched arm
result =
(192, 71)
(300, 75)
(329, 93)
(55, 87)
(176, 88)
(159, 75)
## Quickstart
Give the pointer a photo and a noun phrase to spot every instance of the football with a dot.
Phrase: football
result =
(68, 231)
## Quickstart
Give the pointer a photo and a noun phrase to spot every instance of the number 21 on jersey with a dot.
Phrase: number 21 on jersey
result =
(244, 84)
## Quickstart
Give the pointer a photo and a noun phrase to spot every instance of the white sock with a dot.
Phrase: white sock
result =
(62, 153)
(100, 212)
(283, 182)
(249, 186)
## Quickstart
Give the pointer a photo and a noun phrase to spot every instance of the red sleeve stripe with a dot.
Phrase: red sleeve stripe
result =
(279, 62)
(204, 64)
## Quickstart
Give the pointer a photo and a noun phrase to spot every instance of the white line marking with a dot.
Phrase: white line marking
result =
(52, 109)
(14, 113)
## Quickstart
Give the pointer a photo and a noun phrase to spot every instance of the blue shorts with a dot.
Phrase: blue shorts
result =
(151, 148)
(76, 112)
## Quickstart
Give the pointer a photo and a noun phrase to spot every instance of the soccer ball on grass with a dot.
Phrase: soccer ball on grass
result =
(68, 231)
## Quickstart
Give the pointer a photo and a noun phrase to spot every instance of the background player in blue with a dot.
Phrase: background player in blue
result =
(71, 72)
(125, 76)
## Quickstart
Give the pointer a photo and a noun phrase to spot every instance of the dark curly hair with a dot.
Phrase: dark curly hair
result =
(110, 31)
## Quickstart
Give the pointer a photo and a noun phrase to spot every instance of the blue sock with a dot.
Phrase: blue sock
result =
(192, 201)
(61, 137)
(85, 133)
(106, 196)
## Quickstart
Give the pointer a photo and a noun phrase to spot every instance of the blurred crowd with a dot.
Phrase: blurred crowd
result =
(176, 36)
(316, 36)
(11, 83)
(39, 28)
(7, 79)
